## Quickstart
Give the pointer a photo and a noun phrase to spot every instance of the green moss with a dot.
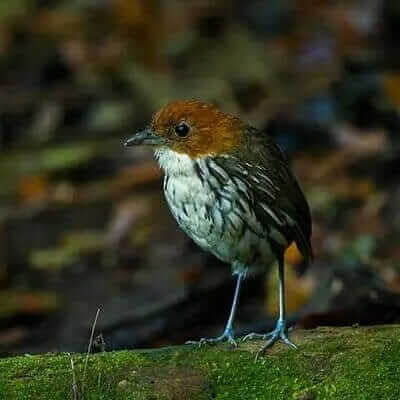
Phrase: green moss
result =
(341, 363)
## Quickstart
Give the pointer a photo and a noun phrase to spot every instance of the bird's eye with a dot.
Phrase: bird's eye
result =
(182, 129)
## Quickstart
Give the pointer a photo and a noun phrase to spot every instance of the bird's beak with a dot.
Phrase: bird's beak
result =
(146, 136)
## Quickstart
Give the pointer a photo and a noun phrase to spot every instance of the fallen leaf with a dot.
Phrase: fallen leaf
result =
(298, 291)
(293, 255)
(33, 188)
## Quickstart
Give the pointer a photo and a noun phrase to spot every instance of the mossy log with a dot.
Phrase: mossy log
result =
(331, 363)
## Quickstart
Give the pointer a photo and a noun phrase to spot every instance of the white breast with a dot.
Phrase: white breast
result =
(208, 215)
(188, 196)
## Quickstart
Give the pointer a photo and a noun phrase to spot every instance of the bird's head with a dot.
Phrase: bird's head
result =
(193, 128)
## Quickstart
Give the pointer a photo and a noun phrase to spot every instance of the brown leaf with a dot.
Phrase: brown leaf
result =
(298, 291)
(33, 188)
(293, 255)
(391, 85)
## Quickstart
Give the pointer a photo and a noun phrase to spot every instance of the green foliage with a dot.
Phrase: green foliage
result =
(13, 8)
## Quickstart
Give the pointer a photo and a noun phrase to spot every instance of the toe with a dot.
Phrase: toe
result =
(270, 342)
(252, 336)
(260, 353)
(232, 341)
(204, 341)
(286, 340)
(198, 343)
(225, 337)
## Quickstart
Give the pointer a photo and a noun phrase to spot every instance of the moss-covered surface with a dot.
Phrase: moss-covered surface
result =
(331, 363)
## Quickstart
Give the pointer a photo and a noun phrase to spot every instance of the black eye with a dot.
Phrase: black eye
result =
(182, 129)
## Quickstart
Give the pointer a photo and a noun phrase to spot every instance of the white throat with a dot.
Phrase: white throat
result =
(173, 163)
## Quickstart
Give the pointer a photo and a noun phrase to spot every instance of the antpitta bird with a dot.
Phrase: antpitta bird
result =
(230, 189)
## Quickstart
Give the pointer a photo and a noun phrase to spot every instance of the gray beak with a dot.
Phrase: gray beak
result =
(146, 136)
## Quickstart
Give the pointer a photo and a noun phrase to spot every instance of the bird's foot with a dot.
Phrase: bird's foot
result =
(279, 333)
(227, 336)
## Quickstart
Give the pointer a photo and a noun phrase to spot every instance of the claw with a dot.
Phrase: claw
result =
(227, 336)
(261, 336)
(279, 333)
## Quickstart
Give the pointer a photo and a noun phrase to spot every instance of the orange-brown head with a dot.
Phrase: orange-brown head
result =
(193, 128)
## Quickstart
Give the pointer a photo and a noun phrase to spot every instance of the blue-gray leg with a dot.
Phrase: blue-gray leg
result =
(228, 332)
(281, 331)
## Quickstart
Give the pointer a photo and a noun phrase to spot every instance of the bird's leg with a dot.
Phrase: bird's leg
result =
(228, 332)
(281, 331)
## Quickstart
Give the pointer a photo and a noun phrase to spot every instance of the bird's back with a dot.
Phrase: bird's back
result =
(278, 199)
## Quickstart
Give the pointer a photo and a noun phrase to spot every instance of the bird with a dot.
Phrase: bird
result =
(230, 188)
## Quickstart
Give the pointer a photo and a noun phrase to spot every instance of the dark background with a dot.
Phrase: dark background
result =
(83, 222)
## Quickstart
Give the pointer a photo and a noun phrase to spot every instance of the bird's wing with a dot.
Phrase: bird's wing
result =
(277, 200)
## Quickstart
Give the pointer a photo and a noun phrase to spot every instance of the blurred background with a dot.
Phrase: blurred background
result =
(83, 222)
